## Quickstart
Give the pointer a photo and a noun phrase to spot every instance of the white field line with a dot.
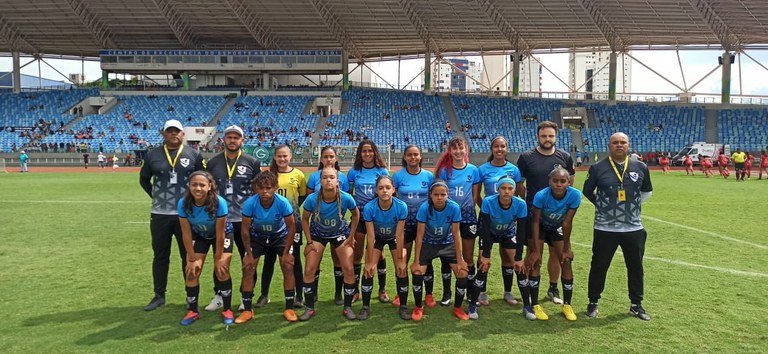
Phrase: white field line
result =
(705, 232)
(136, 222)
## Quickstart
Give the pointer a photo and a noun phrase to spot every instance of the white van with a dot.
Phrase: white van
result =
(699, 148)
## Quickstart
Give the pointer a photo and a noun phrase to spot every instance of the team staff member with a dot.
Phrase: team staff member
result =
(618, 186)
(739, 157)
(164, 176)
(233, 171)
(535, 166)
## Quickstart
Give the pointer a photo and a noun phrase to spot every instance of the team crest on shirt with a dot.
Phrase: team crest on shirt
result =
(242, 169)
(184, 162)
(634, 176)
(423, 183)
(469, 178)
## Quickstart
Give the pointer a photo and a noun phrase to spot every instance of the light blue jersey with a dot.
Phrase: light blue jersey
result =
(313, 182)
(268, 222)
(491, 174)
(437, 223)
(413, 190)
(460, 185)
(553, 210)
(330, 221)
(364, 183)
(502, 222)
(385, 221)
(202, 223)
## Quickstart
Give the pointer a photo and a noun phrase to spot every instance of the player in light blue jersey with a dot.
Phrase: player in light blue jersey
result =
(204, 223)
(497, 167)
(384, 218)
(365, 171)
(463, 179)
(268, 227)
(323, 222)
(553, 210)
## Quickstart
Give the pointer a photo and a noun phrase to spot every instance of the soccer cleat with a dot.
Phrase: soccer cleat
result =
(592, 310)
(308, 313)
(156, 302)
(228, 317)
(473, 312)
(554, 295)
(405, 314)
(568, 313)
(539, 312)
(528, 312)
(510, 299)
(349, 313)
(364, 313)
(446, 300)
(262, 301)
(216, 303)
(297, 304)
(338, 300)
(383, 297)
(241, 307)
(459, 313)
(189, 318)
(290, 315)
(482, 299)
(396, 301)
(244, 317)
(429, 300)
(639, 312)
(418, 312)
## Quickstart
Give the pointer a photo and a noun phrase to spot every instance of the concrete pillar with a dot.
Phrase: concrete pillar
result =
(612, 76)
(725, 91)
(104, 80)
(427, 72)
(265, 85)
(16, 72)
(516, 74)
(185, 79)
(344, 71)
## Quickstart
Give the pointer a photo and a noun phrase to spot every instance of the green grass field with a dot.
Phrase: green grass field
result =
(75, 272)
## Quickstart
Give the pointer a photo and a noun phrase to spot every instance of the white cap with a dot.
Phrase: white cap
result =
(233, 128)
(172, 123)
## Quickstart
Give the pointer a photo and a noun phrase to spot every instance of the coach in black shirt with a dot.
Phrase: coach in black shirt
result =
(164, 177)
(617, 186)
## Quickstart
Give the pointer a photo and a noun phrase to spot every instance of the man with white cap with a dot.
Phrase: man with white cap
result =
(233, 171)
(164, 177)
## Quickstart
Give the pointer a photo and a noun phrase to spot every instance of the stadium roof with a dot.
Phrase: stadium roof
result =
(374, 28)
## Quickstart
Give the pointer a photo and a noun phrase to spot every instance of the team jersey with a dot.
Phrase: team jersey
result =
(268, 222)
(664, 161)
(535, 169)
(292, 185)
(156, 177)
(460, 185)
(202, 223)
(602, 189)
(245, 169)
(707, 162)
(739, 157)
(313, 182)
(364, 183)
(722, 160)
(763, 160)
(688, 161)
(553, 210)
(437, 223)
(491, 174)
(413, 190)
(385, 221)
(331, 222)
(502, 221)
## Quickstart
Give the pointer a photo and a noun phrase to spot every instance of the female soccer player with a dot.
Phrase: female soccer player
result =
(553, 210)
(664, 163)
(384, 218)
(437, 235)
(268, 225)
(328, 157)
(502, 221)
(203, 219)
(706, 166)
(763, 164)
(366, 170)
(412, 185)
(748, 165)
(722, 165)
(463, 180)
(497, 167)
(688, 163)
(323, 222)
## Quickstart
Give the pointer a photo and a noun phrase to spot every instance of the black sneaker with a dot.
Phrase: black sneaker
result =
(554, 295)
(262, 301)
(338, 300)
(297, 304)
(592, 310)
(639, 312)
(364, 313)
(446, 300)
(405, 314)
(157, 301)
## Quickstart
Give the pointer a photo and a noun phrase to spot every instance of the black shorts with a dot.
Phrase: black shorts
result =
(507, 243)
(379, 244)
(738, 165)
(201, 245)
(550, 236)
(468, 231)
(361, 225)
(334, 241)
(261, 246)
(446, 253)
(409, 234)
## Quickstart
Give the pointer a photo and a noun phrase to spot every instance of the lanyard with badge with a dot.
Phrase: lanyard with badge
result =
(622, 194)
(230, 172)
(173, 176)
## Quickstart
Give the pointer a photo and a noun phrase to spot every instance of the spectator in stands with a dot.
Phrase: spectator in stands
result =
(170, 108)
(447, 127)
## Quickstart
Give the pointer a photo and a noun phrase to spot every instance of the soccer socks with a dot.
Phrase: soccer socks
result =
(381, 268)
(522, 284)
(225, 290)
(349, 292)
(533, 287)
(508, 275)
(316, 283)
(367, 290)
(290, 296)
(445, 270)
(267, 271)
(338, 277)
(567, 290)
(429, 279)
(478, 286)
(358, 270)
(298, 271)
(309, 294)
(418, 281)
(552, 286)
(470, 277)
(402, 291)
(192, 294)
(248, 300)
(461, 290)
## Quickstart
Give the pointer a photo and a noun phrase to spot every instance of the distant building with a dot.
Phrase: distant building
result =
(582, 65)
(29, 82)
(457, 77)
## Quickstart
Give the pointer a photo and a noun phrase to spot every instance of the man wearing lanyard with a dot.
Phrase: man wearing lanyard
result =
(164, 176)
(233, 171)
(622, 185)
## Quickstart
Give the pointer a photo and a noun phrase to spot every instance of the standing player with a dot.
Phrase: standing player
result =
(722, 165)
(164, 176)
(268, 223)
(748, 164)
(688, 163)
(463, 180)
(553, 210)
(739, 158)
(23, 158)
(233, 171)
(204, 223)
(323, 223)
(412, 185)
(497, 167)
(664, 163)
(535, 166)
(763, 164)
(502, 220)
(101, 159)
(365, 172)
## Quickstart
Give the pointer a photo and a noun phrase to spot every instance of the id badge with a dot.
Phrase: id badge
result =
(230, 189)
(622, 197)
(173, 178)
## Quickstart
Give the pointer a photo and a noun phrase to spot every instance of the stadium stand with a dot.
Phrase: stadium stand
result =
(271, 120)
(744, 128)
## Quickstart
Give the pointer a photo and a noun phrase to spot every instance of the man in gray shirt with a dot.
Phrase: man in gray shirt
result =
(617, 186)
